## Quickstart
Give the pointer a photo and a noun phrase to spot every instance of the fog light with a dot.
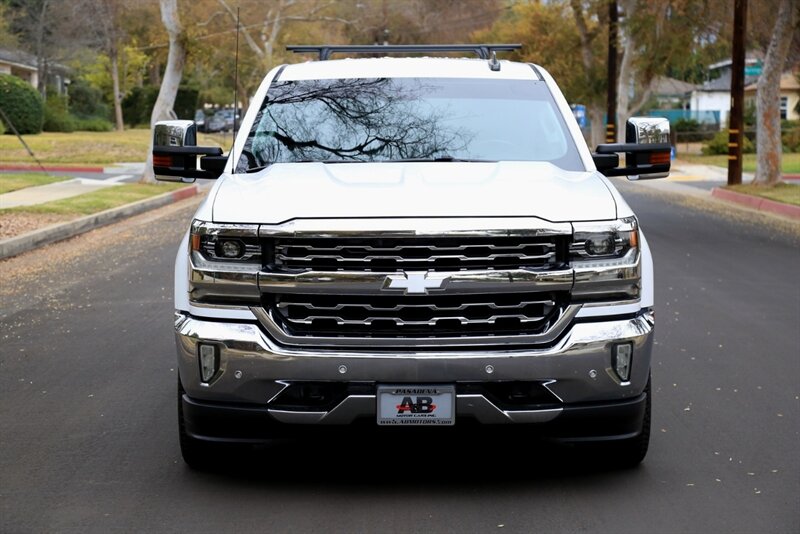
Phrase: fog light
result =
(209, 362)
(622, 361)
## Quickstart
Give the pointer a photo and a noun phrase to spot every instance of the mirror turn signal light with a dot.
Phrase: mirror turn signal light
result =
(660, 158)
(162, 161)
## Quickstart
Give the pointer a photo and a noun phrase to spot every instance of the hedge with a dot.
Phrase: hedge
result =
(138, 104)
(86, 101)
(56, 116)
(719, 144)
(93, 124)
(22, 104)
(790, 136)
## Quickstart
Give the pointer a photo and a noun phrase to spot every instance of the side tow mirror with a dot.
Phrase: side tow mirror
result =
(175, 153)
(647, 149)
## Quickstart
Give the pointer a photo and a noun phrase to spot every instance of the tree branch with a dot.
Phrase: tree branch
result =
(250, 41)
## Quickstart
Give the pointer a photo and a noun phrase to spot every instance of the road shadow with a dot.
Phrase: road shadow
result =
(407, 460)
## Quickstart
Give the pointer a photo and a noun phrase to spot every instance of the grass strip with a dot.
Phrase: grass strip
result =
(90, 148)
(790, 162)
(786, 193)
(100, 200)
(16, 181)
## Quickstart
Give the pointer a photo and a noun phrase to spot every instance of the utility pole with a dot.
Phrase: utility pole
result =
(736, 124)
(611, 113)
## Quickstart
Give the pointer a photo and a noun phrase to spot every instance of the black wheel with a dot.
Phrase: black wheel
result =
(196, 453)
(631, 452)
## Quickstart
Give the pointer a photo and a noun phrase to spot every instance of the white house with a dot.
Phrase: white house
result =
(715, 95)
(790, 95)
(23, 65)
(19, 64)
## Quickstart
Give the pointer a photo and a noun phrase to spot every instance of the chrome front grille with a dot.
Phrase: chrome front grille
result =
(420, 253)
(413, 316)
(415, 284)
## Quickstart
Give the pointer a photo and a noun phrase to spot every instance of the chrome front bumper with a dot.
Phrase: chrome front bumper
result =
(254, 370)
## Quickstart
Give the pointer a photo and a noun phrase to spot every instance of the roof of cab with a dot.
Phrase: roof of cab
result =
(406, 67)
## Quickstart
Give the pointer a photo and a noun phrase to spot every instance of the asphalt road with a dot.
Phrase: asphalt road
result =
(88, 439)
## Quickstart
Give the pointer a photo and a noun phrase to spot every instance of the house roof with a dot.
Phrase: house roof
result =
(666, 86)
(789, 82)
(751, 59)
(723, 83)
(18, 58)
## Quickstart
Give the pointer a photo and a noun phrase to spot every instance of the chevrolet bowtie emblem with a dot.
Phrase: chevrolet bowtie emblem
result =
(417, 283)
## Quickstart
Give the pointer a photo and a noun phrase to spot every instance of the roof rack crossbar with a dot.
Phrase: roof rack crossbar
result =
(483, 51)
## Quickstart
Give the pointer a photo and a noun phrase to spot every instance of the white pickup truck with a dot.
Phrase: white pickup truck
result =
(413, 241)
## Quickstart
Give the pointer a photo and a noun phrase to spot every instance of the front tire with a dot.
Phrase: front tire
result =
(631, 452)
(197, 454)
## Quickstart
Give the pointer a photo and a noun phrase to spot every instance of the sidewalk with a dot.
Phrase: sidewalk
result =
(703, 176)
(710, 179)
(47, 193)
(64, 229)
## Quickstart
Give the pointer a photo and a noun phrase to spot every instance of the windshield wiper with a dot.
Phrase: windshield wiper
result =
(326, 161)
(262, 167)
(443, 158)
(256, 169)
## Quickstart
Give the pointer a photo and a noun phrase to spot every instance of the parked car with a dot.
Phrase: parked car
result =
(413, 242)
(222, 120)
(200, 120)
(215, 123)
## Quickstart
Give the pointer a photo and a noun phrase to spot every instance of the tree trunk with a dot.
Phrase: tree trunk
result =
(41, 61)
(176, 58)
(627, 85)
(597, 133)
(625, 82)
(768, 96)
(115, 86)
(596, 113)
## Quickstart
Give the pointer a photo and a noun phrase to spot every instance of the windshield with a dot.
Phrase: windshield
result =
(402, 119)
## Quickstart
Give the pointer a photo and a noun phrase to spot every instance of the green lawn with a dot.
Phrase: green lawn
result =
(89, 148)
(790, 162)
(99, 200)
(786, 193)
(14, 181)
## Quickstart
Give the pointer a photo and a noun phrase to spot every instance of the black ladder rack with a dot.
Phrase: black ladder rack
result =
(483, 51)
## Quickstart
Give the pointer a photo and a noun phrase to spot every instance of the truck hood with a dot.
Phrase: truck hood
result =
(286, 191)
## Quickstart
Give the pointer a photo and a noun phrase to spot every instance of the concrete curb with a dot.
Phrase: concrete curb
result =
(56, 168)
(14, 246)
(757, 203)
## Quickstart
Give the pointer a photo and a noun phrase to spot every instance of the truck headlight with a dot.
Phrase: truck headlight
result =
(606, 259)
(226, 242)
(604, 241)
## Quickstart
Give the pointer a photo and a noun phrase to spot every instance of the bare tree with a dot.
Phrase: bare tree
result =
(277, 16)
(594, 107)
(176, 59)
(107, 14)
(768, 128)
(659, 35)
(51, 30)
(262, 37)
(628, 74)
(7, 37)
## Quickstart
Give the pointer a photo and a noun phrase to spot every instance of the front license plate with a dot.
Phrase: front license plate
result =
(416, 405)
